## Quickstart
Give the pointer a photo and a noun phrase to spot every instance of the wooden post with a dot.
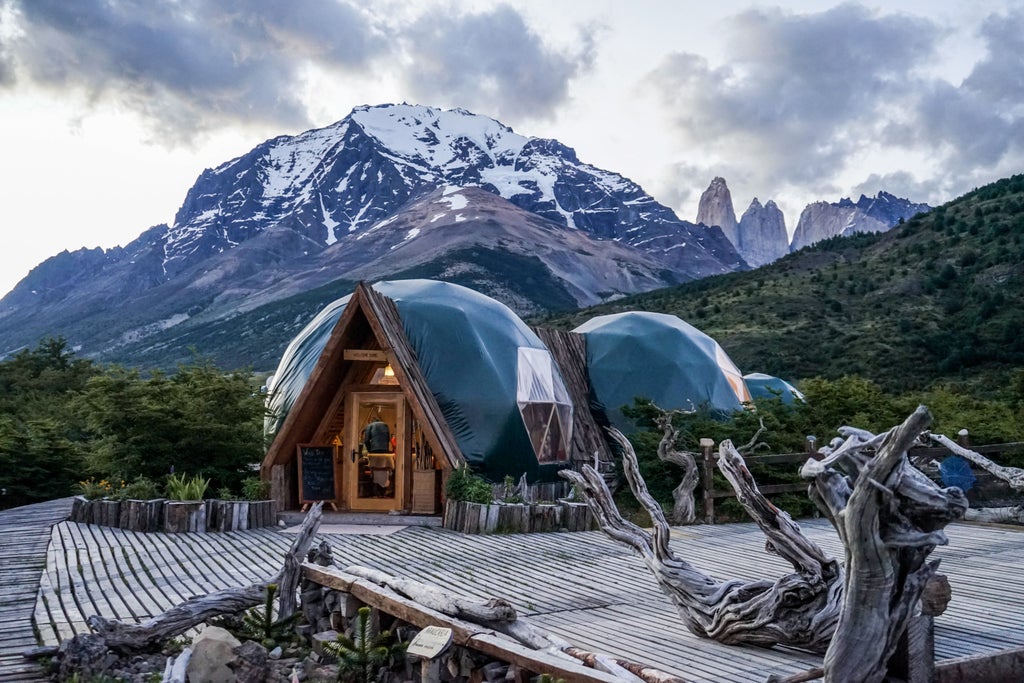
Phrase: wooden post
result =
(707, 449)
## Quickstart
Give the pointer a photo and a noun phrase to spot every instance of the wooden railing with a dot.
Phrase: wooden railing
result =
(710, 455)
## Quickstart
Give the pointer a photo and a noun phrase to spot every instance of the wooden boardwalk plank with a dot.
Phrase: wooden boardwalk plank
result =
(24, 538)
(582, 586)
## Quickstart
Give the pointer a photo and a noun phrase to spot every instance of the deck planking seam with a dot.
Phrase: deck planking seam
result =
(98, 571)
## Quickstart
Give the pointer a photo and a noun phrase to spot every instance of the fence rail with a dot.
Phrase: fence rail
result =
(709, 457)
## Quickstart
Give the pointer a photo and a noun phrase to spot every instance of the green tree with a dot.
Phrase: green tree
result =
(40, 444)
(199, 421)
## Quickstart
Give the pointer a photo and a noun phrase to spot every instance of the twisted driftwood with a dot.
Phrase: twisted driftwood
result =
(1014, 476)
(683, 511)
(890, 517)
(124, 637)
(798, 610)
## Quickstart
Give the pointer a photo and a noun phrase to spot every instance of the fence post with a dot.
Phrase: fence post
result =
(963, 437)
(707, 449)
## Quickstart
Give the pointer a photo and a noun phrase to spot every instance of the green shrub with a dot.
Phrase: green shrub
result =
(142, 488)
(95, 490)
(464, 485)
(254, 488)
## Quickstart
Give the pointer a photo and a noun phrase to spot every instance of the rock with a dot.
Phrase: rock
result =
(715, 208)
(250, 664)
(213, 651)
(318, 644)
(85, 656)
(276, 653)
(762, 234)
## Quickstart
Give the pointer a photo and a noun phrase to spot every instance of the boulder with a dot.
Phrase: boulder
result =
(213, 654)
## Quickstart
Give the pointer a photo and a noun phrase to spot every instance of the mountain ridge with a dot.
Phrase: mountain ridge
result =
(306, 210)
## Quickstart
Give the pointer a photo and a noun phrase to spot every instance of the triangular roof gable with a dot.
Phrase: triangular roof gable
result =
(369, 317)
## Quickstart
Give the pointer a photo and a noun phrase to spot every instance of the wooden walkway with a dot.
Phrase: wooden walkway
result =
(581, 586)
(24, 535)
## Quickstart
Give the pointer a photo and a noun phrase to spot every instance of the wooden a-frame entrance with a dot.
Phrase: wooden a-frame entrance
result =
(367, 373)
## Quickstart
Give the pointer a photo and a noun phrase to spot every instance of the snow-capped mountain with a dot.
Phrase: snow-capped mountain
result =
(389, 191)
(349, 176)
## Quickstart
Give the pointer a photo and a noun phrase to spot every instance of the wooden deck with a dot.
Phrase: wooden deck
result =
(581, 586)
(24, 535)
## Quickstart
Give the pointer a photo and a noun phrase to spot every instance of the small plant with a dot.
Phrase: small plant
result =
(360, 657)
(180, 488)
(225, 493)
(260, 624)
(254, 488)
(464, 485)
(95, 490)
(508, 490)
(142, 488)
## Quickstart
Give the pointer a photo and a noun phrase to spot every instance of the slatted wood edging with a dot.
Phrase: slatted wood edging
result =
(464, 633)
(516, 518)
(175, 516)
(1005, 665)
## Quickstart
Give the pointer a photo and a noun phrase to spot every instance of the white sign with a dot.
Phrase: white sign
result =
(430, 642)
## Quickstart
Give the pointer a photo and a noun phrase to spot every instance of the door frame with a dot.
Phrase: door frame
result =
(353, 438)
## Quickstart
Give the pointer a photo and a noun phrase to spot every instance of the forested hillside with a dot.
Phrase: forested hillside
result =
(939, 299)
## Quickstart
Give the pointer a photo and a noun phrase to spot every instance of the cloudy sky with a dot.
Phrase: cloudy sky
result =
(110, 109)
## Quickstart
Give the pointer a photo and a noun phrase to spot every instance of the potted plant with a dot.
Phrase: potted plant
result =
(185, 509)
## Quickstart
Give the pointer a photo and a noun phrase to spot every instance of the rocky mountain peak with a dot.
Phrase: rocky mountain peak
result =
(715, 208)
(762, 233)
(822, 220)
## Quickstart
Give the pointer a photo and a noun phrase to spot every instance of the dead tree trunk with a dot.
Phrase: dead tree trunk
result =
(890, 517)
(797, 610)
(682, 496)
(125, 637)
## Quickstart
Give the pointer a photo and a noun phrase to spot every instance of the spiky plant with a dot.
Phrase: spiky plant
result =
(259, 624)
(360, 657)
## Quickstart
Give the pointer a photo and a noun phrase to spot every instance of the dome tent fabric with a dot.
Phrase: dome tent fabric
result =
(769, 386)
(661, 358)
(470, 350)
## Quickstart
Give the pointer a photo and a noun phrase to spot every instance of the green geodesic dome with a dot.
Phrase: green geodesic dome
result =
(659, 357)
(769, 386)
(487, 370)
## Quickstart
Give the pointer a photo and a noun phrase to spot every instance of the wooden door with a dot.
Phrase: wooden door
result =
(375, 464)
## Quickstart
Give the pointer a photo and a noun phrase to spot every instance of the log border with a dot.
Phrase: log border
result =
(517, 518)
(175, 516)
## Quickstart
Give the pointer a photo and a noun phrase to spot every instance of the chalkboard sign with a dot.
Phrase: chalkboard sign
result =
(316, 473)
